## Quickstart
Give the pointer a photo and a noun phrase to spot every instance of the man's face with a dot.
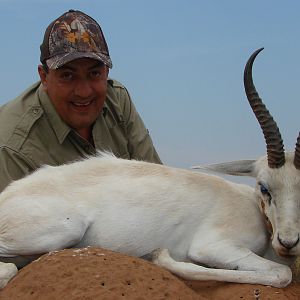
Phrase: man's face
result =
(77, 91)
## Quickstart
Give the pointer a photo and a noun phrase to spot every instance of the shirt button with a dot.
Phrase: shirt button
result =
(35, 111)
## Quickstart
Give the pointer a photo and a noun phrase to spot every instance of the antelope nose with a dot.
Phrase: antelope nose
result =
(290, 243)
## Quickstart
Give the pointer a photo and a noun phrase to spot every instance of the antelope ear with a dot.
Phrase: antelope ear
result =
(238, 167)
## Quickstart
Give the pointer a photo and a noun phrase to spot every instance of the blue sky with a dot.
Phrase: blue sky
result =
(182, 62)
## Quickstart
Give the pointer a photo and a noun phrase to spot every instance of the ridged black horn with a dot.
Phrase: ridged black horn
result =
(275, 148)
(297, 153)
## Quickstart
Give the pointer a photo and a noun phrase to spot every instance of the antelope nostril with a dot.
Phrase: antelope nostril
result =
(288, 244)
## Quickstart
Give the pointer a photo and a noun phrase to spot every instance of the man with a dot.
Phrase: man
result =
(74, 110)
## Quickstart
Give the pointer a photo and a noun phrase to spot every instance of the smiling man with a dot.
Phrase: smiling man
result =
(74, 110)
(77, 91)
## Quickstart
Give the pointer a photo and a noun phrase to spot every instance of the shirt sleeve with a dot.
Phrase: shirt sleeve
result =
(140, 144)
(13, 166)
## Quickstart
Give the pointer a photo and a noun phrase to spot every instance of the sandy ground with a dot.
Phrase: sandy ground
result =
(230, 291)
(93, 273)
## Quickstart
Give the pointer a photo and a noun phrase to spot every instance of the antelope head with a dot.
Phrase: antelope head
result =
(277, 175)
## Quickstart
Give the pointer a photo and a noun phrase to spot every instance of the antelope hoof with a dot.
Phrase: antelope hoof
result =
(159, 253)
(7, 272)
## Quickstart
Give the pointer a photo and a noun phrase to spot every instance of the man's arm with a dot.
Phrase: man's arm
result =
(13, 166)
(140, 145)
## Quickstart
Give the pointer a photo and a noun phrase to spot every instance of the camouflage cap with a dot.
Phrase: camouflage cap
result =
(71, 36)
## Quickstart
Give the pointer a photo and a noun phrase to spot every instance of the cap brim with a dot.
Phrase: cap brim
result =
(58, 61)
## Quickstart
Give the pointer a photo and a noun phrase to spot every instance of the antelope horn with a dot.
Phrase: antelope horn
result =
(275, 148)
(297, 153)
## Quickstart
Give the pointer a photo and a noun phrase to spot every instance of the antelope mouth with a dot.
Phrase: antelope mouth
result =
(283, 252)
(286, 255)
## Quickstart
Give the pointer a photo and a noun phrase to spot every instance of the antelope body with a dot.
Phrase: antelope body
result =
(187, 221)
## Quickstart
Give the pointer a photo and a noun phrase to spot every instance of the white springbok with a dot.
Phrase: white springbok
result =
(198, 226)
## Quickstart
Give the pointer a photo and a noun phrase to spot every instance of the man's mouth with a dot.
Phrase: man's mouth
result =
(82, 104)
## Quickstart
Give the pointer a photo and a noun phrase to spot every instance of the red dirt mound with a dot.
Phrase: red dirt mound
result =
(93, 273)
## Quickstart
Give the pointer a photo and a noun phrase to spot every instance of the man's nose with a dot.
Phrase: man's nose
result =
(83, 88)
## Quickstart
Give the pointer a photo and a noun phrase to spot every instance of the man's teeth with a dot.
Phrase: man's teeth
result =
(82, 104)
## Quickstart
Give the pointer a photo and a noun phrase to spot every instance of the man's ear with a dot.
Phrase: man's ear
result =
(43, 76)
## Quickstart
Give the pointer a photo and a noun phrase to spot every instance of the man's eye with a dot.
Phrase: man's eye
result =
(67, 76)
(95, 74)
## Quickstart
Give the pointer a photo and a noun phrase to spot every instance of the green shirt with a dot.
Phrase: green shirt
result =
(32, 134)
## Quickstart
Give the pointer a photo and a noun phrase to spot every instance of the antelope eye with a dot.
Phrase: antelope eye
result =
(264, 190)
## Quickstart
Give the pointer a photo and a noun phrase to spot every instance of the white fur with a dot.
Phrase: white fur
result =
(186, 219)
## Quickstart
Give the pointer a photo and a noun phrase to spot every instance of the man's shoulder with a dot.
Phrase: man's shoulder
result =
(117, 98)
(20, 104)
(117, 93)
(115, 83)
(18, 116)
